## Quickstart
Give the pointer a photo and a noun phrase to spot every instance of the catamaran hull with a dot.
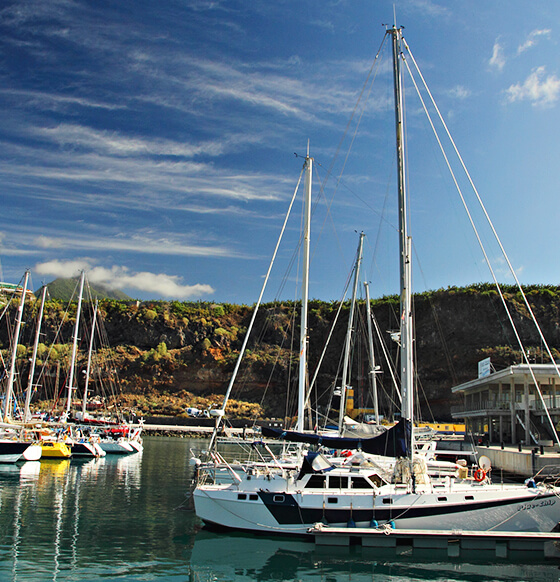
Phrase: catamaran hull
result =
(276, 512)
(12, 451)
(117, 447)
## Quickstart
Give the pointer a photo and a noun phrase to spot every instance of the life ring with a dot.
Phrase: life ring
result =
(479, 475)
(346, 453)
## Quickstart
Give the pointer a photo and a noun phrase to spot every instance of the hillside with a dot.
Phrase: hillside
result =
(66, 290)
(171, 355)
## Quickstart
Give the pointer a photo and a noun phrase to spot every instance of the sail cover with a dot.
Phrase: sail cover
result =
(392, 443)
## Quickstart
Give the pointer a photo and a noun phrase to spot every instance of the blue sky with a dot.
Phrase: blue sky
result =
(152, 143)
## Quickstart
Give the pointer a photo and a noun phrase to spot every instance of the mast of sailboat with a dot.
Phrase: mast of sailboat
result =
(12, 372)
(27, 412)
(90, 351)
(373, 368)
(303, 342)
(407, 370)
(74, 348)
(219, 412)
(348, 342)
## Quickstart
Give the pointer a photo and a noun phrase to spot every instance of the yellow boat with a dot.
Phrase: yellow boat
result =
(55, 450)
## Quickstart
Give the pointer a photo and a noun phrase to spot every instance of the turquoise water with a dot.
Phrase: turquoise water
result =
(126, 519)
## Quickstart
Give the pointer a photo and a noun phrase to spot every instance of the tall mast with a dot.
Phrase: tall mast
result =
(374, 369)
(27, 412)
(74, 348)
(349, 333)
(407, 370)
(11, 374)
(302, 380)
(90, 351)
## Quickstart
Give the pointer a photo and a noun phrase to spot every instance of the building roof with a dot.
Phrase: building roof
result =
(519, 371)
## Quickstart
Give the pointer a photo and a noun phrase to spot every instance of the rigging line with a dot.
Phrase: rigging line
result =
(437, 322)
(333, 326)
(483, 207)
(374, 69)
(387, 357)
(491, 224)
(255, 310)
(525, 357)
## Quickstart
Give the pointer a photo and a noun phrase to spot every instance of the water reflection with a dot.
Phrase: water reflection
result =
(125, 518)
(245, 557)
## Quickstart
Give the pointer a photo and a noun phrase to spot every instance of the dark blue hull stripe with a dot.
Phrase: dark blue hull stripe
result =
(288, 511)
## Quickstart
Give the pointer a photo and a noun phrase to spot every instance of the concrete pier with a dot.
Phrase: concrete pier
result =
(519, 460)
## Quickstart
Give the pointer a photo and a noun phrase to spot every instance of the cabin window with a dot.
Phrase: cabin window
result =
(376, 480)
(442, 498)
(387, 500)
(242, 496)
(337, 482)
(360, 483)
(316, 482)
(332, 499)
(278, 499)
(253, 497)
(469, 497)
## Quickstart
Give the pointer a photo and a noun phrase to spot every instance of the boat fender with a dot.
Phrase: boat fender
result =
(531, 484)
(373, 523)
(479, 475)
(391, 524)
(351, 523)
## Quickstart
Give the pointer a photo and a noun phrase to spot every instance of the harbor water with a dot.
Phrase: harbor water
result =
(128, 518)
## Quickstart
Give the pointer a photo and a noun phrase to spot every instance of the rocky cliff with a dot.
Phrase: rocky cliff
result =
(171, 355)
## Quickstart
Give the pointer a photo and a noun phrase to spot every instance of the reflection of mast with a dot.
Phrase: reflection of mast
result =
(27, 413)
(74, 347)
(11, 375)
(76, 532)
(59, 497)
(17, 528)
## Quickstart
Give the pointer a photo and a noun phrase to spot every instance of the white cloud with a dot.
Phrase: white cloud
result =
(120, 277)
(460, 92)
(136, 243)
(539, 89)
(47, 242)
(532, 39)
(58, 268)
(497, 60)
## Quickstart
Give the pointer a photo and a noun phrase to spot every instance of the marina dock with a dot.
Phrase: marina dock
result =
(453, 544)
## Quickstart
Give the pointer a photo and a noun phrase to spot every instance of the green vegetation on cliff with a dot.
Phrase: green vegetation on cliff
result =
(172, 355)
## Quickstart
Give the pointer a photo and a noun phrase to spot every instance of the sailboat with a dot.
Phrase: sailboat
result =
(12, 447)
(279, 498)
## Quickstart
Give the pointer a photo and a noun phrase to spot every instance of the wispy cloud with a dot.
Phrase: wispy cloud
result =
(120, 277)
(136, 244)
(532, 39)
(497, 60)
(460, 92)
(539, 89)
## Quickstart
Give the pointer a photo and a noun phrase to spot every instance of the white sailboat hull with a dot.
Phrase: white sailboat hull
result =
(293, 511)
